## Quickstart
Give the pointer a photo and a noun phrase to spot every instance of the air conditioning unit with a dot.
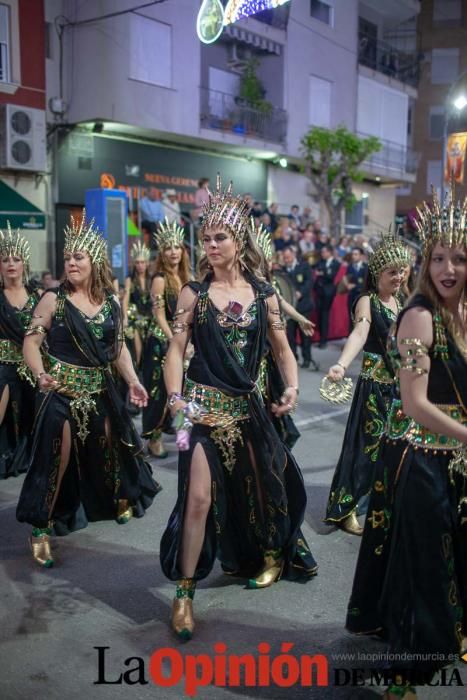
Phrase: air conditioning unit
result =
(238, 57)
(22, 138)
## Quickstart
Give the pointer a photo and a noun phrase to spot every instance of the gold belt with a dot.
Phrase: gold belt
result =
(401, 426)
(80, 384)
(10, 353)
(373, 367)
(222, 410)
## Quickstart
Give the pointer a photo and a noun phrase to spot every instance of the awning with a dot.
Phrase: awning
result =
(248, 37)
(18, 210)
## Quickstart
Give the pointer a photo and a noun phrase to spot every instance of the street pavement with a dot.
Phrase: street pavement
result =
(107, 590)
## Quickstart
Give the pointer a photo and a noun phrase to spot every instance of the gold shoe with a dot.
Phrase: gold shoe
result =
(271, 571)
(156, 448)
(351, 525)
(183, 622)
(124, 512)
(39, 542)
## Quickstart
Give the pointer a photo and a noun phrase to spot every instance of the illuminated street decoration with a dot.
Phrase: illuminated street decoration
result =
(212, 17)
(238, 9)
(210, 22)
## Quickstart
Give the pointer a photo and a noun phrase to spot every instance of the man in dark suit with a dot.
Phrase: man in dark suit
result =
(301, 278)
(325, 271)
(355, 277)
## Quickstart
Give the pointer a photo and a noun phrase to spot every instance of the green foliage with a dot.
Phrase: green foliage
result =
(251, 88)
(333, 158)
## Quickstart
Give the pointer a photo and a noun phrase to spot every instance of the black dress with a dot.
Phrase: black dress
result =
(156, 416)
(258, 495)
(411, 576)
(365, 426)
(19, 414)
(139, 316)
(101, 471)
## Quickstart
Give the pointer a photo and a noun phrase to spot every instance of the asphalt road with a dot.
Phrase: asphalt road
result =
(107, 590)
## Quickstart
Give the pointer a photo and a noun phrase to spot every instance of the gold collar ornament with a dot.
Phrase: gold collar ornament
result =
(169, 235)
(223, 210)
(442, 223)
(388, 252)
(336, 392)
(82, 236)
(262, 238)
(140, 252)
(13, 244)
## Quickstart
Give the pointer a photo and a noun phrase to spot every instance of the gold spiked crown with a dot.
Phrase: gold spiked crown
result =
(13, 244)
(445, 224)
(388, 252)
(82, 236)
(140, 252)
(262, 238)
(223, 210)
(169, 235)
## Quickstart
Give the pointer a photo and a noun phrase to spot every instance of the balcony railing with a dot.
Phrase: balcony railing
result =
(230, 114)
(394, 158)
(384, 58)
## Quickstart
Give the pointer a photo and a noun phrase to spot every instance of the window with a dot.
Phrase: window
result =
(322, 11)
(320, 102)
(436, 123)
(447, 10)
(434, 169)
(4, 43)
(150, 51)
(444, 66)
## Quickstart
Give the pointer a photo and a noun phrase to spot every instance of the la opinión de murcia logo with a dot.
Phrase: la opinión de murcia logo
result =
(168, 667)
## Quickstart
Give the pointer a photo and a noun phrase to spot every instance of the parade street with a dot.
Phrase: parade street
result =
(107, 590)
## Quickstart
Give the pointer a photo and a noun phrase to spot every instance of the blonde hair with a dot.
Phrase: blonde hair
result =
(174, 279)
(453, 323)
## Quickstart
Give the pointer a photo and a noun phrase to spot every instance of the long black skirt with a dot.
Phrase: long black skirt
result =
(156, 416)
(17, 422)
(100, 472)
(411, 576)
(354, 472)
(244, 521)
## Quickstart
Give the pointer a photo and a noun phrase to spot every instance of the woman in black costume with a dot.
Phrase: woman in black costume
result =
(172, 272)
(137, 302)
(411, 578)
(241, 496)
(375, 310)
(84, 449)
(17, 301)
(270, 378)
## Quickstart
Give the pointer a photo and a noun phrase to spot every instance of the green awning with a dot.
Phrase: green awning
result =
(18, 210)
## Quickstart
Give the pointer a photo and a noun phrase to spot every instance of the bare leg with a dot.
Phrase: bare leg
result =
(196, 512)
(64, 459)
(4, 402)
(138, 348)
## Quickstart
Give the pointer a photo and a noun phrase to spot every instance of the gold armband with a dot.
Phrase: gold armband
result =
(415, 349)
(179, 312)
(158, 301)
(180, 327)
(277, 326)
(36, 330)
(363, 319)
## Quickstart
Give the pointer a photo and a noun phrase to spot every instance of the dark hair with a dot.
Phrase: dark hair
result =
(295, 206)
(290, 247)
(202, 181)
(360, 250)
(329, 247)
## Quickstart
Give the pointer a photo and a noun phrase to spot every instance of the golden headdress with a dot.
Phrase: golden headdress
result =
(13, 244)
(445, 224)
(139, 251)
(82, 236)
(169, 235)
(388, 252)
(262, 238)
(223, 210)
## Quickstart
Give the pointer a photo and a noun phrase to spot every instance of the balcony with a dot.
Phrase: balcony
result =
(384, 58)
(230, 115)
(393, 161)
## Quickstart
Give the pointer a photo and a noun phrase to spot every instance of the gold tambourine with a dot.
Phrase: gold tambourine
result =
(336, 392)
